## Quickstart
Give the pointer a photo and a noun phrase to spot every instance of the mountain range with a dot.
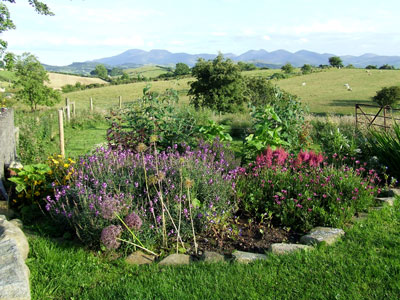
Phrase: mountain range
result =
(261, 58)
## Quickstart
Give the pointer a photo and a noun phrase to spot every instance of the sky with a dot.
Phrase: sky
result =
(84, 30)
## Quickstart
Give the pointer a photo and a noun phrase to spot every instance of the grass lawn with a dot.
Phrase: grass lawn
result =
(146, 71)
(364, 265)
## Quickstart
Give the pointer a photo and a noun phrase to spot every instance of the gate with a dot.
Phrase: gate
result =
(382, 118)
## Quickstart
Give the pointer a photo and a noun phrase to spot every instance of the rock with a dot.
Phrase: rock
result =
(322, 234)
(14, 274)
(17, 222)
(175, 259)
(9, 231)
(140, 258)
(4, 210)
(389, 200)
(282, 248)
(212, 257)
(395, 192)
(247, 257)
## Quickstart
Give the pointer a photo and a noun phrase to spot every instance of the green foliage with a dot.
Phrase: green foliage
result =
(386, 67)
(350, 66)
(101, 71)
(152, 115)
(259, 91)
(387, 96)
(336, 62)
(31, 77)
(181, 69)
(371, 67)
(212, 130)
(302, 192)
(278, 76)
(9, 60)
(386, 146)
(287, 68)
(266, 133)
(116, 71)
(246, 66)
(219, 85)
(306, 69)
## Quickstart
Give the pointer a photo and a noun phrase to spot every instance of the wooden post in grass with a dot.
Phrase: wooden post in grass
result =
(120, 101)
(68, 110)
(73, 109)
(52, 133)
(91, 104)
(61, 128)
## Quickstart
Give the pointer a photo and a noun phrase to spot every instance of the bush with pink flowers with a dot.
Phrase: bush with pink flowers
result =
(304, 191)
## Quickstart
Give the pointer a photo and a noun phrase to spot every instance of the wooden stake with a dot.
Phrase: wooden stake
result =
(68, 114)
(61, 128)
(91, 104)
(73, 109)
(120, 101)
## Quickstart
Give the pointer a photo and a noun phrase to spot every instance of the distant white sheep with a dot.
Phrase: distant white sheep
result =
(2, 90)
(303, 84)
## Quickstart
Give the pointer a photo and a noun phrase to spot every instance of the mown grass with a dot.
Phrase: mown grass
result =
(365, 264)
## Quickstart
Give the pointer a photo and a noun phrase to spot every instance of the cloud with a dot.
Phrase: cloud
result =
(177, 43)
(266, 37)
(218, 33)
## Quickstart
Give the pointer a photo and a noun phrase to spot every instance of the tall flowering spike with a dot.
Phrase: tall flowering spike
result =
(153, 139)
(188, 183)
(133, 221)
(109, 236)
(141, 148)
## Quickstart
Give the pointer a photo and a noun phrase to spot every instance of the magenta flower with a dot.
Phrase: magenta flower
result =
(133, 221)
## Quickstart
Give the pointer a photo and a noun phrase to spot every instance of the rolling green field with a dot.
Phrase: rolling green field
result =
(146, 71)
(325, 92)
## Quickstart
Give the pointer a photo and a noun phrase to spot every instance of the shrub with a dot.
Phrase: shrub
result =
(194, 188)
(387, 96)
(303, 191)
(152, 115)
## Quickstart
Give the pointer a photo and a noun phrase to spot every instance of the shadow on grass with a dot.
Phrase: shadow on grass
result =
(348, 103)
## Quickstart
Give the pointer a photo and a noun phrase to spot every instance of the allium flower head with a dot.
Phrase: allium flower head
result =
(141, 147)
(133, 221)
(109, 236)
(188, 183)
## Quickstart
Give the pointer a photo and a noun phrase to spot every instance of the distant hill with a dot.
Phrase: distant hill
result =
(135, 58)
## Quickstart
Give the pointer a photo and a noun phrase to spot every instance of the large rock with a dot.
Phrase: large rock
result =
(8, 231)
(140, 258)
(14, 274)
(247, 257)
(4, 210)
(282, 248)
(175, 259)
(322, 234)
(212, 257)
(386, 200)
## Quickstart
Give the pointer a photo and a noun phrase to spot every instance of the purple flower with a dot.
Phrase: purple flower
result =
(109, 236)
(133, 221)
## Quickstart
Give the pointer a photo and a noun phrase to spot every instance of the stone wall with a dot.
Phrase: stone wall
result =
(8, 151)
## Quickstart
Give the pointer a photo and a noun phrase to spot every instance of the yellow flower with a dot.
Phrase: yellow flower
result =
(20, 195)
(66, 165)
(50, 172)
(71, 161)
(55, 161)
(37, 193)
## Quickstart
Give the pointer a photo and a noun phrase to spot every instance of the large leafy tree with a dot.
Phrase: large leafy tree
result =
(387, 96)
(219, 85)
(181, 69)
(31, 78)
(5, 20)
(336, 61)
(101, 71)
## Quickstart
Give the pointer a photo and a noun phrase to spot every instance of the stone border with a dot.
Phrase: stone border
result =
(318, 235)
(14, 274)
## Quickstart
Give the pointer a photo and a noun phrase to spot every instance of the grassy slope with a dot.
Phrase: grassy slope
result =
(325, 92)
(59, 80)
(364, 265)
(146, 71)
(107, 97)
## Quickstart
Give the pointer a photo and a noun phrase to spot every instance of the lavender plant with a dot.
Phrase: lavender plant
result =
(146, 189)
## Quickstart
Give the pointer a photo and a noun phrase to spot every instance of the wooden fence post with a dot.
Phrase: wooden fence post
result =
(73, 109)
(120, 101)
(91, 104)
(61, 128)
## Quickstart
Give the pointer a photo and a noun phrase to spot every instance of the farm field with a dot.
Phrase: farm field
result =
(146, 71)
(325, 92)
(58, 80)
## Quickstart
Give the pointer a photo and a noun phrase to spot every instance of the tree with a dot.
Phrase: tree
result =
(336, 62)
(6, 23)
(31, 77)
(246, 66)
(101, 71)
(386, 67)
(306, 69)
(387, 96)
(219, 85)
(116, 71)
(181, 69)
(371, 67)
(288, 68)
(9, 61)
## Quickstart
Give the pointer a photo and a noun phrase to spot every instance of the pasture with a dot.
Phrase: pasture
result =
(146, 71)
